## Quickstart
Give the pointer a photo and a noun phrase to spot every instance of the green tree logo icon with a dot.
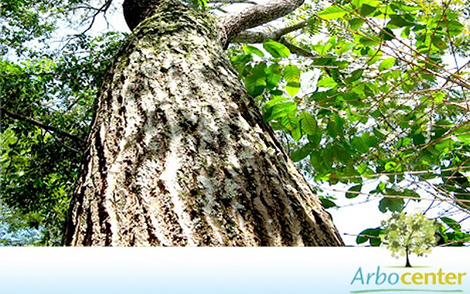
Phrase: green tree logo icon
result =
(406, 234)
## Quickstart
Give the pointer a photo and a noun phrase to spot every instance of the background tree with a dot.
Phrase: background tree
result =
(361, 94)
(48, 84)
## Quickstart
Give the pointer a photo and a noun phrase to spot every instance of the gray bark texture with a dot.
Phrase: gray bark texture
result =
(178, 154)
(235, 23)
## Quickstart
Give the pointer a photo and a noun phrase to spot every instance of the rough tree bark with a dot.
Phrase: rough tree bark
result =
(179, 155)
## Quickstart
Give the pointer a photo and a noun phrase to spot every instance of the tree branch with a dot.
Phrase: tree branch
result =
(293, 28)
(252, 37)
(232, 1)
(234, 23)
(295, 49)
(103, 9)
(41, 125)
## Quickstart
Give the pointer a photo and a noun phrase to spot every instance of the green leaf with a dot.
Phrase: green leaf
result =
(327, 157)
(355, 23)
(418, 139)
(454, 27)
(268, 105)
(280, 110)
(391, 204)
(359, 144)
(367, 9)
(335, 126)
(465, 138)
(370, 41)
(301, 153)
(410, 193)
(341, 49)
(375, 57)
(451, 223)
(390, 166)
(361, 239)
(358, 3)
(379, 134)
(296, 132)
(445, 145)
(403, 142)
(397, 21)
(375, 241)
(343, 155)
(371, 235)
(327, 83)
(292, 77)
(371, 141)
(387, 64)
(458, 238)
(357, 189)
(240, 61)
(439, 42)
(252, 50)
(292, 88)
(199, 4)
(273, 76)
(292, 73)
(317, 162)
(277, 50)
(255, 81)
(332, 12)
(315, 139)
(327, 203)
(387, 34)
(356, 75)
(308, 123)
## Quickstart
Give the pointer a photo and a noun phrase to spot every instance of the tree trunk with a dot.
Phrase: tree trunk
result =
(407, 250)
(178, 153)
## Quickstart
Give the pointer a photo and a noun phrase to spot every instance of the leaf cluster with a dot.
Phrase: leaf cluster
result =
(374, 101)
(39, 166)
(409, 233)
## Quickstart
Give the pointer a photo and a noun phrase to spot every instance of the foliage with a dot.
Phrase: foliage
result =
(199, 4)
(38, 166)
(16, 229)
(382, 99)
(371, 235)
(450, 233)
(405, 234)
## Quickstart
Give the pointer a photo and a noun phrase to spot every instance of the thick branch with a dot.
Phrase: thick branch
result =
(232, 1)
(252, 37)
(286, 30)
(41, 125)
(235, 23)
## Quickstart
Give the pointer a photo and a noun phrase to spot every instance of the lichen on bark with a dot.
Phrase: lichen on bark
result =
(178, 153)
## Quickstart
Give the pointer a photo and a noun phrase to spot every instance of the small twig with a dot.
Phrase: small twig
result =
(41, 125)
(102, 9)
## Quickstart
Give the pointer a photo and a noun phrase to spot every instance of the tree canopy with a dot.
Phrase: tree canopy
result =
(406, 234)
(360, 92)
